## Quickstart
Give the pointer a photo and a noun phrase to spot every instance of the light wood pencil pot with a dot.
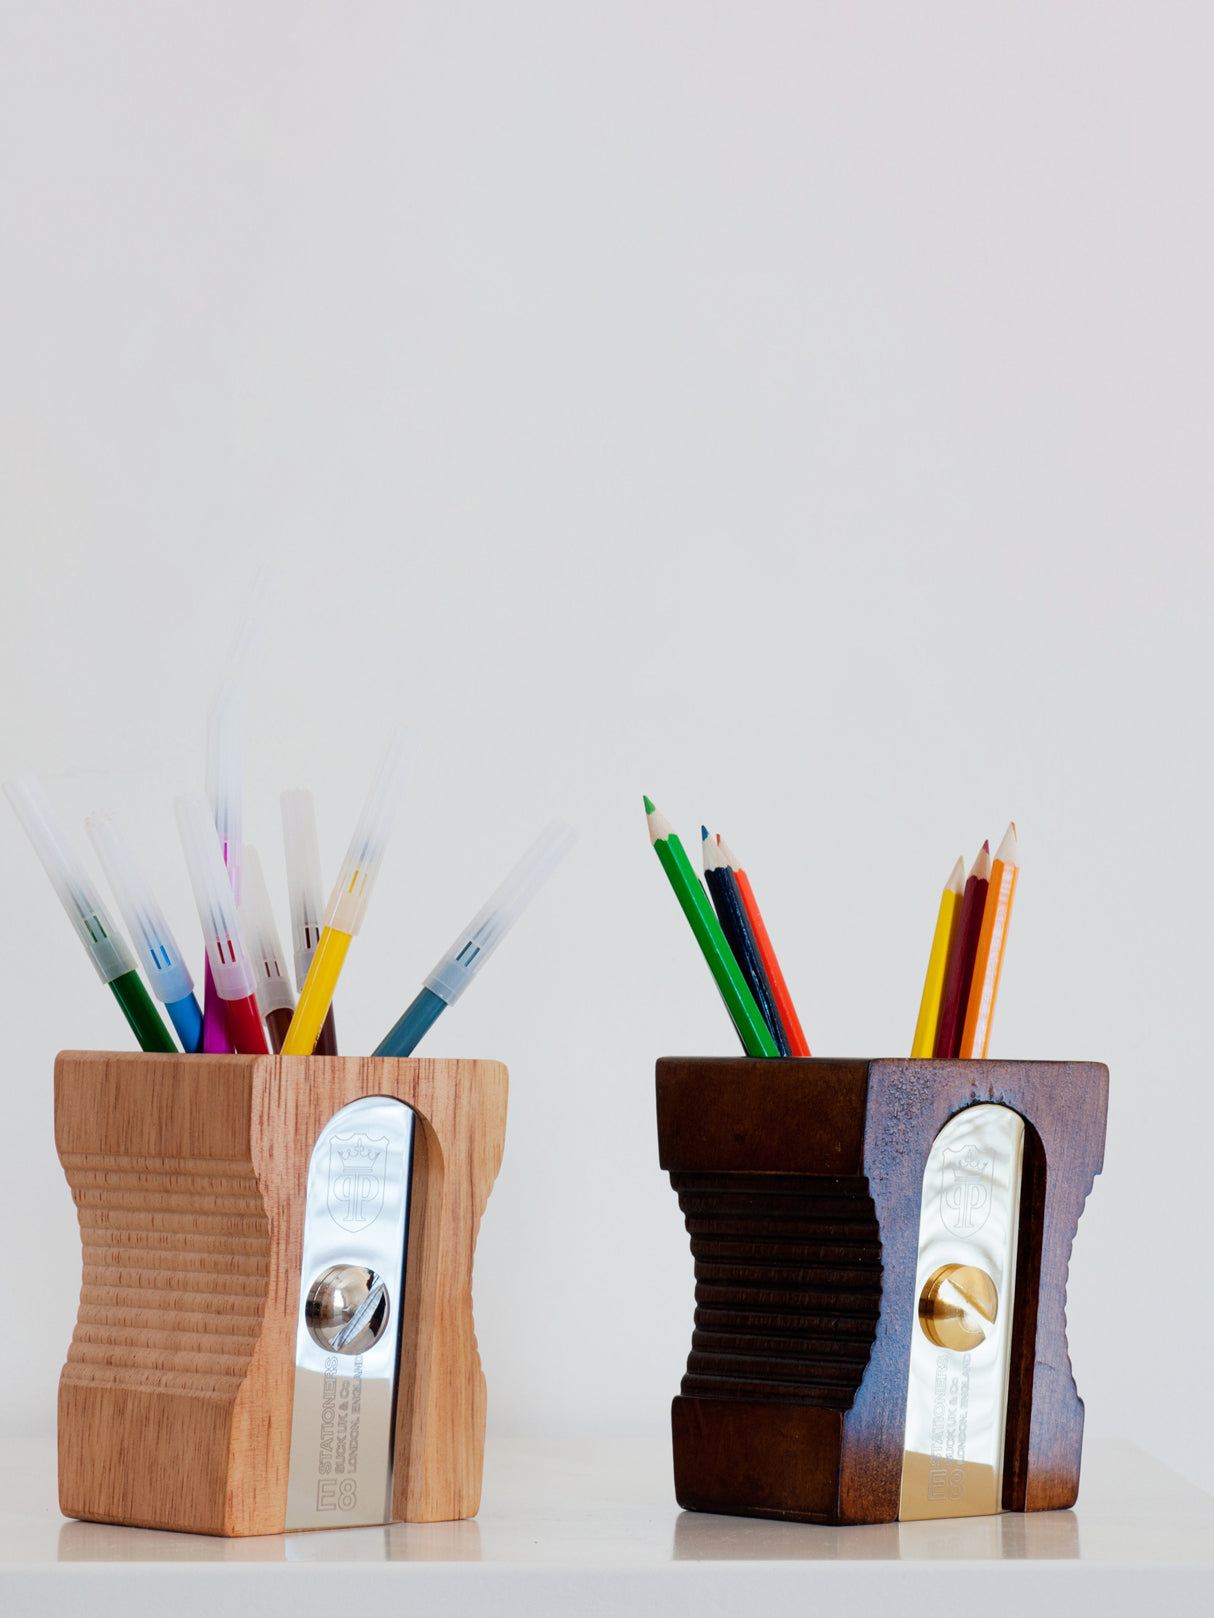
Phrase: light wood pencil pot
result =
(189, 1175)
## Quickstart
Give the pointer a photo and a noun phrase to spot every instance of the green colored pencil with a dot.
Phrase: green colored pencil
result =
(689, 891)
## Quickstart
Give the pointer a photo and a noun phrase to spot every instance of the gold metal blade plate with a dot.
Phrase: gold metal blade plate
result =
(956, 1406)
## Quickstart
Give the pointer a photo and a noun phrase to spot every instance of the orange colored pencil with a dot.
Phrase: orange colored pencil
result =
(996, 912)
(797, 1043)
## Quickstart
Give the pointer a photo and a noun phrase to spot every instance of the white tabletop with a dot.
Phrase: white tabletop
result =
(569, 1528)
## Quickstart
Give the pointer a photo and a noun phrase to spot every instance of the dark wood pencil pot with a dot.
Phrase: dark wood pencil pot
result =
(246, 1359)
(881, 1253)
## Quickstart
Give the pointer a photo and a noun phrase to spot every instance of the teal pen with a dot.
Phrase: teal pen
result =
(477, 942)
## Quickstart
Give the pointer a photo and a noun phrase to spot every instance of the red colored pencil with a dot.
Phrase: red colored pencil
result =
(798, 1045)
(961, 962)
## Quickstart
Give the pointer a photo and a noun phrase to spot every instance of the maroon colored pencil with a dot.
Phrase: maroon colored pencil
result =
(965, 951)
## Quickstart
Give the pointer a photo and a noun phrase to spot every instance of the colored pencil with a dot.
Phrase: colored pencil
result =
(735, 924)
(798, 1045)
(689, 890)
(937, 962)
(961, 960)
(996, 913)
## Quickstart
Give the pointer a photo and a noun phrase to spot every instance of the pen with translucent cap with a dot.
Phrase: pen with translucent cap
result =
(161, 959)
(350, 896)
(305, 895)
(225, 724)
(231, 969)
(225, 778)
(477, 941)
(224, 790)
(103, 943)
(256, 918)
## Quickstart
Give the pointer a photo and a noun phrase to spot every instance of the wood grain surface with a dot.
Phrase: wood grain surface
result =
(189, 1175)
(800, 1183)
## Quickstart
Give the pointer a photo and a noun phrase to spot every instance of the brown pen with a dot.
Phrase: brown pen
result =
(260, 937)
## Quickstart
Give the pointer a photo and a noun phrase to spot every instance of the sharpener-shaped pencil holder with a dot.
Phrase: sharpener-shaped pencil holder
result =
(246, 1357)
(881, 1253)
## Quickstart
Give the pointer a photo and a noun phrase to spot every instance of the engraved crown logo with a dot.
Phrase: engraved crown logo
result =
(966, 1189)
(356, 1179)
(358, 1152)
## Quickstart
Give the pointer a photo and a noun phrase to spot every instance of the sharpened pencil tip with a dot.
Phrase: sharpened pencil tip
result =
(1009, 849)
(659, 827)
(704, 834)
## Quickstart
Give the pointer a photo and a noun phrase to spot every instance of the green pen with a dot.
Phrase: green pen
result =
(739, 1002)
(105, 946)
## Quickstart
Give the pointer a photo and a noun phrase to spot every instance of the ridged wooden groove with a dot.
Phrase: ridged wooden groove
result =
(122, 1300)
(176, 1273)
(788, 1286)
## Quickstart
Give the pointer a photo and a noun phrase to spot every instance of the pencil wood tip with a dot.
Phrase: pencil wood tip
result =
(956, 882)
(728, 857)
(659, 826)
(1009, 849)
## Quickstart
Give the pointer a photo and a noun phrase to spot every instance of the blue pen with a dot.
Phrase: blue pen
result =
(154, 943)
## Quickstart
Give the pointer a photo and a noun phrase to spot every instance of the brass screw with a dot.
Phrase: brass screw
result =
(958, 1306)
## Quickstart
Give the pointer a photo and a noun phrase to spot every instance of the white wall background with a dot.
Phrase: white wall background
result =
(800, 413)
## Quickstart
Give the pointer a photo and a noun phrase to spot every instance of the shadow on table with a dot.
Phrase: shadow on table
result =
(396, 1542)
(1016, 1536)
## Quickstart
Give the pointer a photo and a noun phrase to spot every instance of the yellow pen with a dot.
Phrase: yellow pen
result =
(937, 964)
(351, 893)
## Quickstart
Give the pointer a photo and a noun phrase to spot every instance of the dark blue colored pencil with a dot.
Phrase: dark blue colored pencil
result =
(735, 924)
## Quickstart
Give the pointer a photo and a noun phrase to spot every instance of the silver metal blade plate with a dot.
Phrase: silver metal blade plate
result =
(348, 1335)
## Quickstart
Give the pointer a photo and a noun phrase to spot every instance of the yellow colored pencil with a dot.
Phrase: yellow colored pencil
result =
(937, 962)
(996, 912)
